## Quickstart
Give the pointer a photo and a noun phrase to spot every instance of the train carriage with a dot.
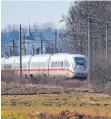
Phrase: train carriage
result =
(60, 64)
(80, 67)
(39, 65)
(9, 63)
(68, 65)
(2, 63)
(25, 65)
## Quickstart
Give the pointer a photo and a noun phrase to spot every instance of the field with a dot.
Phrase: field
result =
(53, 102)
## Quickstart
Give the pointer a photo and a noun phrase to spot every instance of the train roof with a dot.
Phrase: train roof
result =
(78, 55)
(41, 57)
(10, 59)
(2, 60)
(25, 59)
(67, 54)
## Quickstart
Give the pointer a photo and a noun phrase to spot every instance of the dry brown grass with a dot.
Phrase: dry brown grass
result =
(89, 104)
(52, 97)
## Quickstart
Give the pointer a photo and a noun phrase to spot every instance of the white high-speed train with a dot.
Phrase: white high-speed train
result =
(60, 64)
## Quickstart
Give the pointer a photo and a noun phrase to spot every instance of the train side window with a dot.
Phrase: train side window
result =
(56, 64)
(24, 65)
(7, 66)
(66, 64)
(17, 65)
(38, 64)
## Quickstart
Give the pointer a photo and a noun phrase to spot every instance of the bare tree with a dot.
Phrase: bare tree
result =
(75, 35)
(76, 22)
(49, 24)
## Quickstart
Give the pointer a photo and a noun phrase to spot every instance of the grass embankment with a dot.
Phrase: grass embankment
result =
(32, 105)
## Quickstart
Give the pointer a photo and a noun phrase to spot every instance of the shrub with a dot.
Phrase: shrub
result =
(101, 72)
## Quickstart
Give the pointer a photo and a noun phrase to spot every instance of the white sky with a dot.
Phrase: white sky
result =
(19, 12)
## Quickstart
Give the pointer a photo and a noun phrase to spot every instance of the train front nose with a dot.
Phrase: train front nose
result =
(80, 74)
(80, 67)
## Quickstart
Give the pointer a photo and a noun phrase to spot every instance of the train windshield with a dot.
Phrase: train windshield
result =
(80, 61)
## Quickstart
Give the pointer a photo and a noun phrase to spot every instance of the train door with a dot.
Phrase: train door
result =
(17, 67)
(67, 68)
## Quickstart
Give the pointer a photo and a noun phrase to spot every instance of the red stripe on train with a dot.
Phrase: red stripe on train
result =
(40, 70)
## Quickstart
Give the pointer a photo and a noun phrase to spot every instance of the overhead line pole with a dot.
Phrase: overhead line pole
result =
(10, 51)
(55, 44)
(33, 50)
(89, 49)
(20, 53)
(13, 47)
(25, 45)
(41, 46)
(106, 41)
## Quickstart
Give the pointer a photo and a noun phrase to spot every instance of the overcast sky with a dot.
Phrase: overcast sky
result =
(19, 12)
